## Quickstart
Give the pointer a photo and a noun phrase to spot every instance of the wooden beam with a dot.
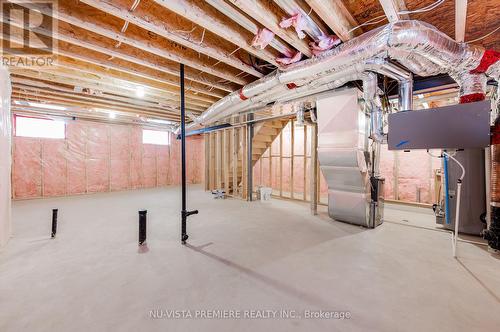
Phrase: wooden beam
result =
(85, 17)
(265, 15)
(204, 15)
(392, 9)
(163, 28)
(460, 20)
(336, 16)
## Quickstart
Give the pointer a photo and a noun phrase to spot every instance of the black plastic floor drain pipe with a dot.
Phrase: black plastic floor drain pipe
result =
(142, 226)
(54, 223)
(184, 212)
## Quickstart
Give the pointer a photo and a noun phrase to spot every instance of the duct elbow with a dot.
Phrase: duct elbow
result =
(472, 87)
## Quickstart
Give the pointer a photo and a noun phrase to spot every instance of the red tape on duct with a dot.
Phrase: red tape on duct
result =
(242, 96)
(471, 98)
(489, 58)
(291, 86)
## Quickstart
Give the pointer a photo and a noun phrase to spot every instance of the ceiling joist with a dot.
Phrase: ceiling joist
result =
(70, 13)
(164, 28)
(336, 16)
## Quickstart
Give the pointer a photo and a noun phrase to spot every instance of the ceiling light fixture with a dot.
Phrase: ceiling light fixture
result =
(140, 91)
(47, 106)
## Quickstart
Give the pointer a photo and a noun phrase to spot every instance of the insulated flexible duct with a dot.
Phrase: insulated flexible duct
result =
(416, 45)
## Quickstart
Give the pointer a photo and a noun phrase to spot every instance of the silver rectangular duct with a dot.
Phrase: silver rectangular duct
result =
(344, 157)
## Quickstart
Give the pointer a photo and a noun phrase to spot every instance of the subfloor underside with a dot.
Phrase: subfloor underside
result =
(241, 256)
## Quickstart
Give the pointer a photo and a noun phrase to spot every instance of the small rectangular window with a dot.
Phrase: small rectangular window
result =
(155, 137)
(40, 128)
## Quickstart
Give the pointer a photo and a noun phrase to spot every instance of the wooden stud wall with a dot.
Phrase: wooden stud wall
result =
(225, 161)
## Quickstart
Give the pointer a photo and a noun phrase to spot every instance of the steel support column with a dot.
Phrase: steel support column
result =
(184, 212)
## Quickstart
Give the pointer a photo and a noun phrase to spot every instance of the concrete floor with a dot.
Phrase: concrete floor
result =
(242, 256)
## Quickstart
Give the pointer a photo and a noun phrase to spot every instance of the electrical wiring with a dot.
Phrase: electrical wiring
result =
(422, 10)
(382, 18)
(486, 35)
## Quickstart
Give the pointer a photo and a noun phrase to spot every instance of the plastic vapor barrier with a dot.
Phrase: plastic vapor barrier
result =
(96, 157)
(5, 156)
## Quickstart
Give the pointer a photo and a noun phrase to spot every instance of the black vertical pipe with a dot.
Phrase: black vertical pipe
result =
(142, 226)
(184, 235)
(184, 212)
(54, 223)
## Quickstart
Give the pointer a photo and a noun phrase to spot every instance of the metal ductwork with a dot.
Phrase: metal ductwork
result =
(416, 45)
(348, 161)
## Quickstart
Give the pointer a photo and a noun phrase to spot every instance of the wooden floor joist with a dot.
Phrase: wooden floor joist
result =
(86, 19)
(269, 18)
(37, 87)
(95, 86)
(69, 37)
(126, 53)
(94, 105)
(164, 28)
(336, 16)
(198, 12)
(86, 100)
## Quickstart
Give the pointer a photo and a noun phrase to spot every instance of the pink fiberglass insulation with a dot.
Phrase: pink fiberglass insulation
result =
(54, 167)
(275, 177)
(297, 21)
(415, 175)
(289, 59)
(195, 160)
(76, 143)
(27, 167)
(5, 159)
(265, 172)
(324, 44)
(298, 175)
(163, 159)
(98, 157)
(175, 162)
(97, 175)
(262, 38)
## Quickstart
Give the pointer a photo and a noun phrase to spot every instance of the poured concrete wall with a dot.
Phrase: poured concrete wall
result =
(5, 157)
(98, 157)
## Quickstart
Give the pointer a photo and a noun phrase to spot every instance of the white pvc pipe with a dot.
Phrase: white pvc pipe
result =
(457, 208)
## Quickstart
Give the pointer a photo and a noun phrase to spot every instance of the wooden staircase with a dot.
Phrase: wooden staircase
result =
(264, 135)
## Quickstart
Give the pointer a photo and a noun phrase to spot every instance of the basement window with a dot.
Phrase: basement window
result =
(155, 137)
(39, 128)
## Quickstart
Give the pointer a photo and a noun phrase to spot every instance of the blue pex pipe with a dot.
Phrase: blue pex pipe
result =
(446, 191)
